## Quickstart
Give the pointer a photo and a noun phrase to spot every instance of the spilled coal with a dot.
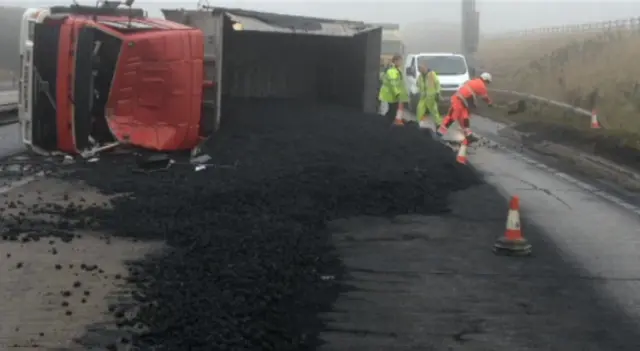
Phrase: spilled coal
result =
(248, 254)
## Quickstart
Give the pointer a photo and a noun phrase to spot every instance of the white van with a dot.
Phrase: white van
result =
(451, 68)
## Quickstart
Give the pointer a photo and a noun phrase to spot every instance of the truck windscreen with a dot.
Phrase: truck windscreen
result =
(445, 65)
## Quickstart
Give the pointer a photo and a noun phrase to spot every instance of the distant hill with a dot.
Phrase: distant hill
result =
(10, 18)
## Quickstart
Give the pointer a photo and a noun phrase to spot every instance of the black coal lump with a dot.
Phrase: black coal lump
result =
(247, 245)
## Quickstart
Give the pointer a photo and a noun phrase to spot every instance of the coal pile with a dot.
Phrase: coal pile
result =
(250, 264)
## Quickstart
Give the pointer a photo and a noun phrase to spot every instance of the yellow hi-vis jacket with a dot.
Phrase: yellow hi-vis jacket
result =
(429, 85)
(393, 88)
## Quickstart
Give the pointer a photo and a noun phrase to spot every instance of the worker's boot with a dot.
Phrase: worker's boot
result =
(398, 122)
(441, 130)
(471, 138)
(423, 124)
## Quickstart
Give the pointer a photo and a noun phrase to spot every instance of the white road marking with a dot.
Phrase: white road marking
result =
(569, 179)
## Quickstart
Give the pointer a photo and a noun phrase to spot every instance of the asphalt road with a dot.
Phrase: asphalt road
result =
(416, 282)
(593, 229)
(432, 283)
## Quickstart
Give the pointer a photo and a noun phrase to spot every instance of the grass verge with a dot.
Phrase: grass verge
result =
(587, 70)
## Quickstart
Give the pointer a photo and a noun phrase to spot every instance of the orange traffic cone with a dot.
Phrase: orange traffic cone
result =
(594, 120)
(462, 153)
(513, 243)
(398, 122)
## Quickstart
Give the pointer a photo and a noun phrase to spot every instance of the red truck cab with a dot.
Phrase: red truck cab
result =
(104, 78)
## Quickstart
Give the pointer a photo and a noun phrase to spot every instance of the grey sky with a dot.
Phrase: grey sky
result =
(496, 15)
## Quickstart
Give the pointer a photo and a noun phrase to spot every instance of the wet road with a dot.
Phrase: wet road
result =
(432, 283)
(592, 229)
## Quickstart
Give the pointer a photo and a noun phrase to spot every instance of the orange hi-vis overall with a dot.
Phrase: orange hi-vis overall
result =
(462, 102)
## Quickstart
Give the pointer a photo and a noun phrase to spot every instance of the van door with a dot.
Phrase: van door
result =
(410, 73)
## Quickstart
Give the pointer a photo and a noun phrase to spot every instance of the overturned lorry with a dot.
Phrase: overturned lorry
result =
(99, 78)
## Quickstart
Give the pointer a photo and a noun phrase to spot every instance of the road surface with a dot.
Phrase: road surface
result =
(415, 282)
(431, 283)
(593, 229)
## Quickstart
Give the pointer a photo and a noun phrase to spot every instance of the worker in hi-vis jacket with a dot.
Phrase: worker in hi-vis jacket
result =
(429, 90)
(394, 92)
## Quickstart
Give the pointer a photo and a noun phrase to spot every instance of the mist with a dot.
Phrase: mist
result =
(496, 16)
(428, 25)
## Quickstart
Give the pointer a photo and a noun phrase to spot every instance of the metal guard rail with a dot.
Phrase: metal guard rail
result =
(575, 109)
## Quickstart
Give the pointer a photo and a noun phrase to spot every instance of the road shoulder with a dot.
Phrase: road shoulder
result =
(59, 284)
(594, 170)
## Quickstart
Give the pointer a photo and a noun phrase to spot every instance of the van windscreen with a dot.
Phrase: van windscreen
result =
(444, 65)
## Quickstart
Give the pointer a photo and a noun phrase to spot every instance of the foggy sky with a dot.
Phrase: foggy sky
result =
(496, 15)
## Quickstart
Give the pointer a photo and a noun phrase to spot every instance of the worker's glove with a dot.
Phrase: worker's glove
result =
(438, 97)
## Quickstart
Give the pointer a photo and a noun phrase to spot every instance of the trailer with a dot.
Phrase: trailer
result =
(259, 55)
(392, 43)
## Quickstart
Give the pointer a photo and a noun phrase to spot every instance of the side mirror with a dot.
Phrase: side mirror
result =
(410, 72)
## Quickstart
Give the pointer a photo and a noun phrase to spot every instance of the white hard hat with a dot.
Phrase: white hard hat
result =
(486, 77)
